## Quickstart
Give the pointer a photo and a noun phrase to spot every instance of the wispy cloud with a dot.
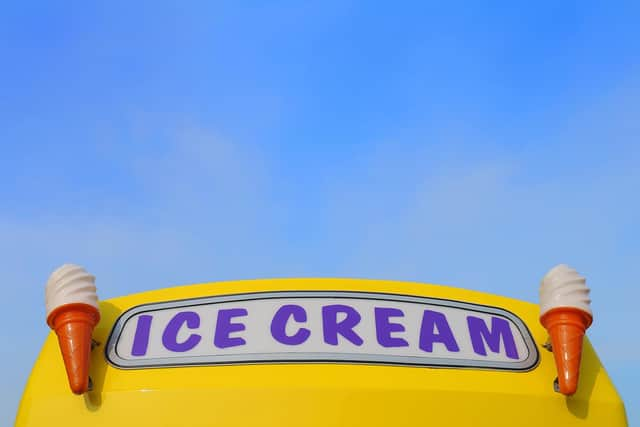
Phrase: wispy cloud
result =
(201, 212)
(496, 219)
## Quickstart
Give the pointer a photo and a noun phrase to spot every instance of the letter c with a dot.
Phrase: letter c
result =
(279, 325)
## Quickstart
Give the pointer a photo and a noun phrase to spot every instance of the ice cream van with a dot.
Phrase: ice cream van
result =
(318, 352)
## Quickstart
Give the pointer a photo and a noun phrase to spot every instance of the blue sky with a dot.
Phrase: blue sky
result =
(475, 145)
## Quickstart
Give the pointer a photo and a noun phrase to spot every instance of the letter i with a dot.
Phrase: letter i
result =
(141, 338)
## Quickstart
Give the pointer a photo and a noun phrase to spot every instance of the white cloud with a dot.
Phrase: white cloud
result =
(201, 212)
(495, 220)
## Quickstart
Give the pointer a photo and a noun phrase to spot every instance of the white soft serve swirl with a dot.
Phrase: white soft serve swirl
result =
(563, 286)
(70, 284)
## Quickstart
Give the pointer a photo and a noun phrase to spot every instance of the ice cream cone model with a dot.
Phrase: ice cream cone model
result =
(566, 314)
(72, 312)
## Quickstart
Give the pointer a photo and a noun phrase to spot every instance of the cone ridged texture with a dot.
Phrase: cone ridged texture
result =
(566, 327)
(74, 324)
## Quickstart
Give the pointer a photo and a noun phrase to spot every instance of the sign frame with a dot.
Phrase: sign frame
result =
(114, 359)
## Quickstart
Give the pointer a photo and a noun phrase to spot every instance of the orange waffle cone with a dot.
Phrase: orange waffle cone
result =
(566, 327)
(74, 324)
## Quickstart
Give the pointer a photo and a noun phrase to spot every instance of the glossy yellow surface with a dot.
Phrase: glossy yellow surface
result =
(316, 394)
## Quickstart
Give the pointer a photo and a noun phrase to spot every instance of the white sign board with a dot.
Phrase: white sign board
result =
(349, 327)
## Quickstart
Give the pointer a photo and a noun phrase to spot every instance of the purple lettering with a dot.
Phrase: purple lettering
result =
(500, 331)
(224, 328)
(433, 321)
(331, 326)
(170, 334)
(279, 325)
(384, 327)
(141, 337)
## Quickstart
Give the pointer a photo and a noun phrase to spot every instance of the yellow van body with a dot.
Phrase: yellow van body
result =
(316, 394)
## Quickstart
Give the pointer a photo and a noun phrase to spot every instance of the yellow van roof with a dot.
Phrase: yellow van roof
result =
(376, 387)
